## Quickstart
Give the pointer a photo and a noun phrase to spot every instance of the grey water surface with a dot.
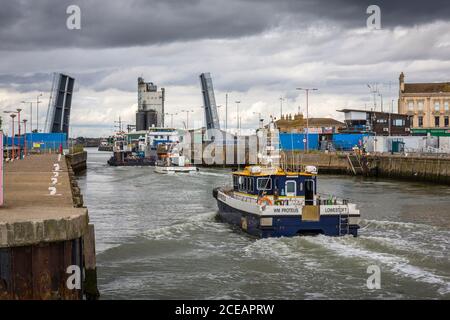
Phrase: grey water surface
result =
(157, 237)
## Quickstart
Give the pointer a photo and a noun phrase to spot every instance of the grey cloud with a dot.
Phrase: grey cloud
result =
(27, 24)
(26, 83)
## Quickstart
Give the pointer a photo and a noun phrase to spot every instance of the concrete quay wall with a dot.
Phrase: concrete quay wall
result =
(415, 168)
(430, 169)
(325, 162)
(44, 232)
(77, 161)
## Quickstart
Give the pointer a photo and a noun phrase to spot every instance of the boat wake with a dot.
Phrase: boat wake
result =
(405, 251)
(356, 248)
(183, 230)
(213, 174)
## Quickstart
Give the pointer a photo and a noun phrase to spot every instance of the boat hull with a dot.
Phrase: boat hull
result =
(131, 162)
(172, 170)
(265, 226)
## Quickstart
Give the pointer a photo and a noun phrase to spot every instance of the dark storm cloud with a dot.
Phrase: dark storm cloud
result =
(27, 24)
(25, 83)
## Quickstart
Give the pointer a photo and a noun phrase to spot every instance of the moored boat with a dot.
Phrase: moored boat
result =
(138, 148)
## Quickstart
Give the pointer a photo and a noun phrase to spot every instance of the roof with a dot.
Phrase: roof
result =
(300, 121)
(368, 111)
(330, 121)
(427, 87)
(275, 172)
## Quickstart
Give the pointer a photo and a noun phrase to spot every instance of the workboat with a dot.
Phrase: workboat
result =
(139, 148)
(267, 200)
(171, 159)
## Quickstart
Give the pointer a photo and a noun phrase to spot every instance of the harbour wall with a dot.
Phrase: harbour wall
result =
(47, 245)
(336, 163)
(429, 168)
(232, 158)
(416, 168)
(77, 161)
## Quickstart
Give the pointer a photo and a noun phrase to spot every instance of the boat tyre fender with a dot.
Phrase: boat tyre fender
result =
(265, 200)
(215, 192)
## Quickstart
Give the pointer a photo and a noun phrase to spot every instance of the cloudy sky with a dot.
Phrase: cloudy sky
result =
(256, 50)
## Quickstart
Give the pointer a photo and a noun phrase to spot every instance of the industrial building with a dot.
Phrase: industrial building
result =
(375, 122)
(150, 106)
(37, 141)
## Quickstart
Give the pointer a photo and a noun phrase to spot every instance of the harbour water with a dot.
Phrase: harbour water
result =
(157, 237)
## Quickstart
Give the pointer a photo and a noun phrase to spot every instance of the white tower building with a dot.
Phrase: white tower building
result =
(150, 106)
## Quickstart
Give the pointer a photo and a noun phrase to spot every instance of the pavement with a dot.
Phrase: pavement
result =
(38, 205)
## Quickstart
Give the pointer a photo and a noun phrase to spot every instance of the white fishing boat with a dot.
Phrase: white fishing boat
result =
(171, 160)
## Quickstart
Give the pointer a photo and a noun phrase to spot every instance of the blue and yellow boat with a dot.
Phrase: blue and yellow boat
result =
(269, 201)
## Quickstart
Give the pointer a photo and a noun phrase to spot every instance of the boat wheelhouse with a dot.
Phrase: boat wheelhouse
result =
(283, 187)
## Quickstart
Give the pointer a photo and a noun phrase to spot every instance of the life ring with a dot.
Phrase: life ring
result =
(266, 201)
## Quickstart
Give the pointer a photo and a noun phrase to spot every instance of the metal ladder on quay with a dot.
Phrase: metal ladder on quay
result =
(355, 164)
(344, 223)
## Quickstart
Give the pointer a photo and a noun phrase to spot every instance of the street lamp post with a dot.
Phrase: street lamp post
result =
(237, 117)
(13, 155)
(307, 113)
(37, 112)
(13, 115)
(218, 108)
(187, 117)
(171, 118)
(281, 107)
(259, 118)
(226, 112)
(381, 100)
(24, 137)
(390, 117)
(374, 91)
(18, 124)
(31, 114)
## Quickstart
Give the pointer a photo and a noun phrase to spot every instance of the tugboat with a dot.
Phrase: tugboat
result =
(139, 148)
(171, 159)
(125, 154)
(269, 201)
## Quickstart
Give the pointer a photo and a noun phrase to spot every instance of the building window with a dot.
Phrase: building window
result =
(264, 184)
(436, 121)
(446, 106)
(420, 105)
(398, 122)
(290, 186)
(410, 105)
(446, 121)
(235, 181)
(437, 106)
(420, 121)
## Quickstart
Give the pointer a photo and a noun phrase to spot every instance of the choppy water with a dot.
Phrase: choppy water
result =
(157, 237)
